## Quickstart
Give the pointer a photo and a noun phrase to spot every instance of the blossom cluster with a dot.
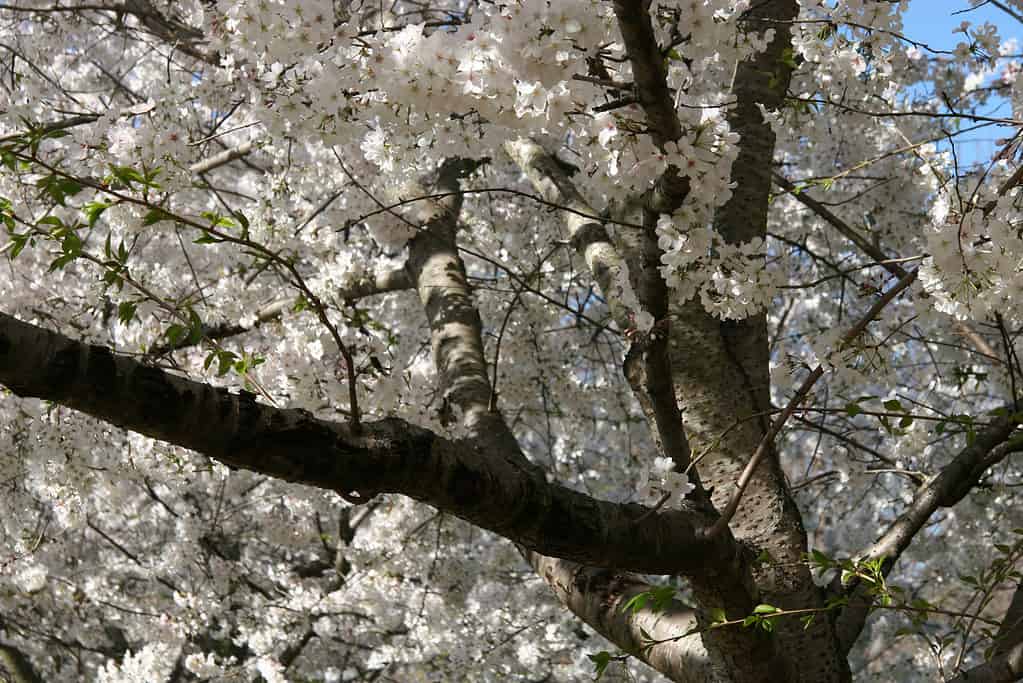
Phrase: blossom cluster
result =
(662, 484)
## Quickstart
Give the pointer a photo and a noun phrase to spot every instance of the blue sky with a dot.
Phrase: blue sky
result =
(933, 22)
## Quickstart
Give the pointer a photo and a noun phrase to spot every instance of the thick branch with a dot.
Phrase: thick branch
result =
(1010, 633)
(947, 488)
(436, 270)
(769, 516)
(653, 95)
(174, 32)
(1002, 668)
(15, 667)
(651, 85)
(597, 596)
(486, 488)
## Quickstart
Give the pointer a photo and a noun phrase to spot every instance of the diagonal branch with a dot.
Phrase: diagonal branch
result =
(990, 446)
(838, 224)
(647, 367)
(766, 443)
(225, 157)
(363, 287)
(587, 236)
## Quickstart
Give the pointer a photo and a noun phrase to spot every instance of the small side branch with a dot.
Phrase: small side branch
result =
(765, 443)
(990, 446)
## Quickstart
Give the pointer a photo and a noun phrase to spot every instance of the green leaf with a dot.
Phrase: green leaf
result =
(126, 312)
(788, 58)
(921, 604)
(637, 602)
(113, 277)
(807, 620)
(155, 216)
(7, 213)
(853, 409)
(8, 159)
(662, 595)
(885, 423)
(894, 405)
(18, 241)
(127, 175)
(93, 210)
(717, 616)
(195, 331)
(207, 238)
(58, 188)
(175, 333)
(765, 609)
(836, 602)
(820, 560)
(226, 359)
(71, 246)
(216, 220)
(600, 661)
(50, 220)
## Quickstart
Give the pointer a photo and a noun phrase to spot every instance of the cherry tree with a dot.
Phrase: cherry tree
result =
(534, 341)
